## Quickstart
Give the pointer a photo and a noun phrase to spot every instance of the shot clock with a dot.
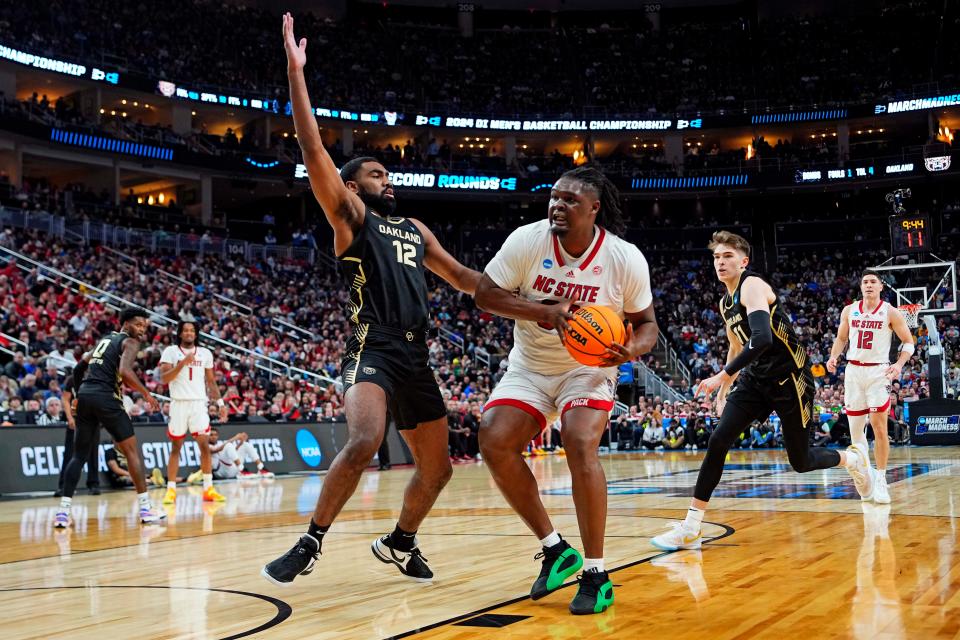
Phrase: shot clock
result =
(911, 234)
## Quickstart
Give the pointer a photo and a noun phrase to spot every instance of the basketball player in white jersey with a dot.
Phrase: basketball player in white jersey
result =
(868, 325)
(188, 369)
(574, 257)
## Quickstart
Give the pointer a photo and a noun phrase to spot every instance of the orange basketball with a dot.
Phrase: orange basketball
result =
(592, 330)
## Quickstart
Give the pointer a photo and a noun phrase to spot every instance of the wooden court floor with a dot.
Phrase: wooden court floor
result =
(790, 556)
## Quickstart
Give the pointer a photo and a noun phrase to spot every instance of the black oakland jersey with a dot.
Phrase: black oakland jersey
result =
(383, 268)
(103, 370)
(785, 356)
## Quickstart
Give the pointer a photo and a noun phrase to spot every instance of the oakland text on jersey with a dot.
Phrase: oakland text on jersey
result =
(400, 233)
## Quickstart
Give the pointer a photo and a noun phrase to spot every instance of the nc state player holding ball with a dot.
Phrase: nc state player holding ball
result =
(574, 257)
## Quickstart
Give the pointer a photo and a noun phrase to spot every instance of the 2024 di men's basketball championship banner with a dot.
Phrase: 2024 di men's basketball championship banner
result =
(33, 456)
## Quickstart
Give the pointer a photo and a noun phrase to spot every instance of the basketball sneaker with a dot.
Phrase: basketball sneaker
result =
(196, 477)
(298, 561)
(62, 520)
(678, 537)
(246, 475)
(416, 565)
(210, 495)
(594, 593)
(149, 516)
(858, 466)
(266, 474)
(559, 563)
(170, 497)
(156, 477)
(881, 494)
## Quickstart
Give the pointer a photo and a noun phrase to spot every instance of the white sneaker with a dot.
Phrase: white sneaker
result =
(881, 494)
(858, 466)
(679, 537)
(150, 516)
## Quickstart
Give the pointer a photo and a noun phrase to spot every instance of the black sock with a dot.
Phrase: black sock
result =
(402, 540)
(317, 532)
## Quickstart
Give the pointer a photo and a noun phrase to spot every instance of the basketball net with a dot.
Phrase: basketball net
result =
(911, 313)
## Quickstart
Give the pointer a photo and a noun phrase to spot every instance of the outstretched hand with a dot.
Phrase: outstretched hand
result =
(296, 53)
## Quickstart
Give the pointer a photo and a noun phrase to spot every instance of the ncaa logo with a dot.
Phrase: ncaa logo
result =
(598, 270)
(547, 263)
(309, 448)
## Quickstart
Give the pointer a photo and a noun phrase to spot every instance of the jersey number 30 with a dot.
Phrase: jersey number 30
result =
(405, 253)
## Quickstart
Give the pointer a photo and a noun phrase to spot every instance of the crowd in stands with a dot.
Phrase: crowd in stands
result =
(690, 64)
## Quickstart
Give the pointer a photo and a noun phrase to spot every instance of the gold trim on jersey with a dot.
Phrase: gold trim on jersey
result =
(806, 411)
(782, 331)
(350, 376)
(354, 307)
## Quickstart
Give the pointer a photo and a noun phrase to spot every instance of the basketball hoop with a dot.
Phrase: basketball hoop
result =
(911, 313)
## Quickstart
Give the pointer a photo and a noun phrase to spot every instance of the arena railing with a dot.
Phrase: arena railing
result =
(88, 231)
(9, 344)
(116, 301)
(653, 385)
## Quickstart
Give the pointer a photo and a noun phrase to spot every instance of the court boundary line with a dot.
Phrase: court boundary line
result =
(728, 531)
(284, 610)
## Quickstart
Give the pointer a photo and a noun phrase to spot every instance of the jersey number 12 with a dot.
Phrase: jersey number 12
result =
(865, 340)
(405, 253)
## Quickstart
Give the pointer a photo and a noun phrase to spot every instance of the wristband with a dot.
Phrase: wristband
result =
(908, 347)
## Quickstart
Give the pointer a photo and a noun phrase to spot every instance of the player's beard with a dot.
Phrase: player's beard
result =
(378, 202)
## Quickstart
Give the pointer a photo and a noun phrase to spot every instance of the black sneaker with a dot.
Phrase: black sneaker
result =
(94, 490)
(559, 563)
(594, 595)
(298, 561)
(416, 565)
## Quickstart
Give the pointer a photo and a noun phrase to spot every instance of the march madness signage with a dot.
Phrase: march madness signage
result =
(32, 456)
(934, 421)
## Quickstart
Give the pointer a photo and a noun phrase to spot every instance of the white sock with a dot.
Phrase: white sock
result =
(259, 466)
(207, 481)
(551, 539)
(65, 503)
(144, 500)
(858, 431)
(694, 519)
(593, 564)
(171, 484)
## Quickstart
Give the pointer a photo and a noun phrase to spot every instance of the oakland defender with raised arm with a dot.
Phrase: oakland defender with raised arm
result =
(767, 370)
(382, 258)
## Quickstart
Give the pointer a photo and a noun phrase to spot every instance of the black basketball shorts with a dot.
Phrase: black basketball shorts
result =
(791, 397)
(398, 362)
(95, 410)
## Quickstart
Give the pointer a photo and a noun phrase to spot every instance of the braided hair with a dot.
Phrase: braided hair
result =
(610, 216)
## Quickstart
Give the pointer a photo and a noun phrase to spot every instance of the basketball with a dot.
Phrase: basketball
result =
(592, 330)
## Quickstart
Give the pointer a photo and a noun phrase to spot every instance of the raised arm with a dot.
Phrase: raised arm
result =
(343, 208)
(439, 260)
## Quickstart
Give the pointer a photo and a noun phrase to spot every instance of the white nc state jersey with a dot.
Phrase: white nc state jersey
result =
(870, 333)
(611, 272)
(190, 383)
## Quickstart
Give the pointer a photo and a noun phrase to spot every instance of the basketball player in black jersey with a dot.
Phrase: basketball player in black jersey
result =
(382, 258)
(767, 370)
(100, 403)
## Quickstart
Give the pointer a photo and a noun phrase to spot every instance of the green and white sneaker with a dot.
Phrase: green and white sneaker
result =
(595, 594)
(559, 563)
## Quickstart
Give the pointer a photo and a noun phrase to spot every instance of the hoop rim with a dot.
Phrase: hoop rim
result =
(911, 308)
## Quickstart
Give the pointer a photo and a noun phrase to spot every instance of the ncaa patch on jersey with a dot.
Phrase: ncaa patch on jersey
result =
(547, 263)
(369, 371)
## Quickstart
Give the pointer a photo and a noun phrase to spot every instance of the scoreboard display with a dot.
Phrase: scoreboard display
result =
(911, 234)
